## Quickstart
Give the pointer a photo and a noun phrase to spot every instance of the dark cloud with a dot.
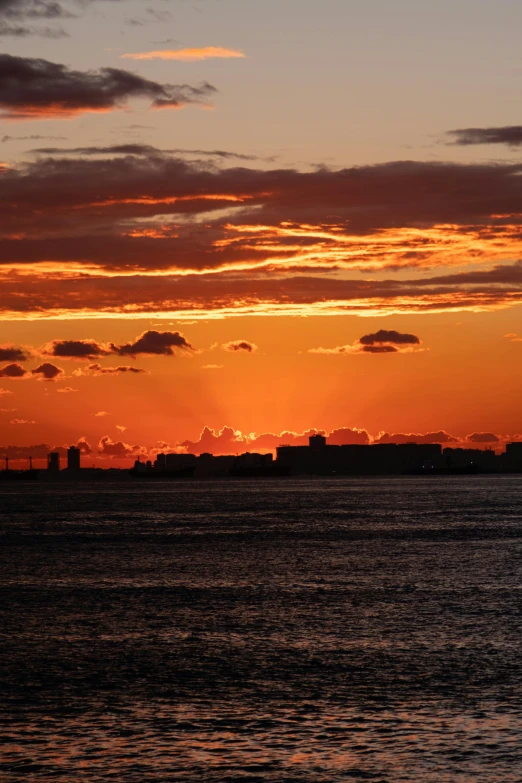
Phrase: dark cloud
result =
(117, 449)
(33, 9)
(132, 211)
(388, 336)
(13, 14)
(193, 294)
(41, 450)
(142, 149)
(47, 372)
(75, 349)
(347, 435)
(154, 343)
(14, 370)
(510, 135)
(230, 441)
(379, 349)
(483, 437)
(383, 341)
(8, 353)
(114, 149)
(9, 30)
(239, 345)
(138, 214)
(428, 437)
(35, 88)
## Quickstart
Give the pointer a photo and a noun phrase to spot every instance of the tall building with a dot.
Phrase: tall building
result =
(53, 461)
(73, 458)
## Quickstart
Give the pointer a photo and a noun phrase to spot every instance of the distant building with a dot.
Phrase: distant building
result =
(513, 456)
(178, 461)
(317, 441)
(485, 459)
(383, 458)
(73, 458)
(53, 462)
(160, 462)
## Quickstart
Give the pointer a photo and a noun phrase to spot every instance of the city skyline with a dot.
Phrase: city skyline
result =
(222, 222)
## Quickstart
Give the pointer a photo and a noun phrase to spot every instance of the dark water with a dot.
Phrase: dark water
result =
(339, 630)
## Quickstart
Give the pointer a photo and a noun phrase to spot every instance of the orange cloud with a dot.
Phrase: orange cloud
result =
(188, 55)
(383, 341)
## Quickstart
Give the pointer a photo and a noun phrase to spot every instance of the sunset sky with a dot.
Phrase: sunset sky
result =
(269, 217)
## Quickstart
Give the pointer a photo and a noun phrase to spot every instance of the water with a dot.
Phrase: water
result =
(333, 630)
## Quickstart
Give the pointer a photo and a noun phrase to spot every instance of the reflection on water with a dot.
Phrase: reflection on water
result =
(262, 631)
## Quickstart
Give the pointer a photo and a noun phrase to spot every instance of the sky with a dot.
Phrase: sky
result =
(227, 224)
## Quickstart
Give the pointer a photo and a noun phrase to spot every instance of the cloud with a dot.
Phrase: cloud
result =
(74, 349)
(239, 345)
(153, 233)
(509, 134)
(102, 413)
(21, 421)
(347, 435)
(154, 343)
(13, 12)
(8, 353)
(231, 441)
(429, 437)
(513, 337)
(9, 30)
(66, 390)
(33, 9)
(135, 149)
(5, 391)
(188, 55)
(32, 137)
(41, 450)
(96, 370)
(47, 372)
(84, 446)
(14, 370)
(38, 89)
(121, 427)
(118, 450)
(212, 367)
(383, 341)
(390, 336)
(483, 437)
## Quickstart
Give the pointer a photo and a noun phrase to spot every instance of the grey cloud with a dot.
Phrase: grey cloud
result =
(154, 343)
(483, 437)
(14, 370)
(33, 137)
(74, 349)
(33, 9)
(9, 353)
(510, 135)
(141, 149)
(47, 372)
(389, 336)
(32, 87)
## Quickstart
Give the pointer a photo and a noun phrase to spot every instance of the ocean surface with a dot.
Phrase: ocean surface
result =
(325, 630)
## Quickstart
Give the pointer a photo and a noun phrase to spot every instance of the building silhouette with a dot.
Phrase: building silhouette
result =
(321, 459)
(73, 458)
(53, 462)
